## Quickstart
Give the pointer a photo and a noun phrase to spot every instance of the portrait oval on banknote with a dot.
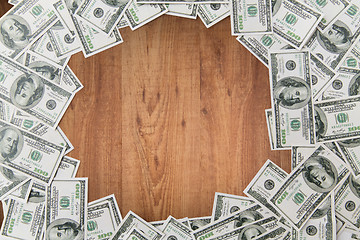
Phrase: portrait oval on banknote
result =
(355, 185)
(292, 92)
(336, 38)
(14, 32)
(319, 174)
(275, 6)
(46, 70)
(114, 3)
(11, 143)
(250, 232)
(320, 122)
(72, 5)
(12, 176)
(27, 91)
(68, 228)
(247, 217)
(354, 86)
(350, 143)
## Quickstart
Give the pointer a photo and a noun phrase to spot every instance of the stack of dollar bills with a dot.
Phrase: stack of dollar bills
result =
(312, 50)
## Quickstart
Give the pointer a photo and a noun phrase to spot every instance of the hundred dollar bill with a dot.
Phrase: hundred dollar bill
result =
(346, 84)
(321, 75)
(23, 24)
(92, 40)
(347, 201)
(138, 14)
(265, 183)
(44, 48)
(11, 114)
(226, 204)
(199, 222)
(186, 10)
(122, 23)
(249, 231)
(32, 93)
(23, 220)
(131, 221)
(308, 185)
(67, 168)
(291, 93)
(321, 225)
(66, 208)
(33, 156)
(250, 17)
(10, 181)
(103, 218)
(337, 119)
(334, 42)
(64, 42)
(329, 9)
(212, 13)
(233, 221)
(294, 22)
(351, 151)
(104, 14)
(49, 70)
(22, 193)
(136, 234)
(174, 229)
(261, 45)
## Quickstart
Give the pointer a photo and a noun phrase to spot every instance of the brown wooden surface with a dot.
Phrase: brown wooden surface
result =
(169, 117)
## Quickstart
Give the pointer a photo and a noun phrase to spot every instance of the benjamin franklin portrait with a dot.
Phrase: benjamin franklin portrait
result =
(26, 91)
(337, 38)
(14, 32)
(354, 86)
(320, 122)
(64, 229)
(251, 232)
(350, 143)
(46, 70)
(355, 185)
(292, 92)
(247, 217)
(319, 174)
(11, 143)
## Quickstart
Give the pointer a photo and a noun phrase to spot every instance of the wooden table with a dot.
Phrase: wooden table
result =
(169, 117)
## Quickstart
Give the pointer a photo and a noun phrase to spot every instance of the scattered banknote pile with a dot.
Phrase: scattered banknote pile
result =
(312, 50)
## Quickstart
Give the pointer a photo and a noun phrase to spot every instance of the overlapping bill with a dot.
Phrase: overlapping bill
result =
(292, 104)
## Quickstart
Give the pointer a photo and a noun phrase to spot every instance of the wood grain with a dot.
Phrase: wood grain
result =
(169, 117)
